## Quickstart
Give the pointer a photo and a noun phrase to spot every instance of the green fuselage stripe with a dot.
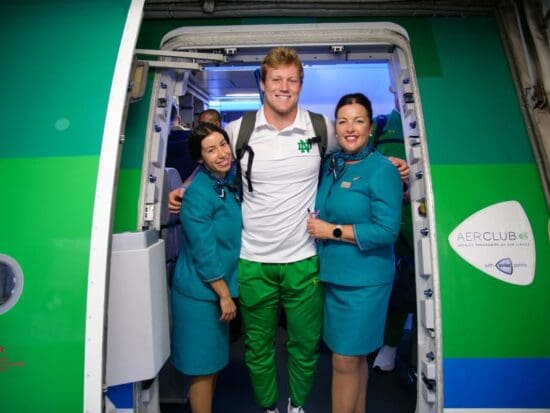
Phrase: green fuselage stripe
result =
(47, 231)
(58, 61)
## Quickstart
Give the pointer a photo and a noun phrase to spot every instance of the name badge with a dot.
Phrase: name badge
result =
(345, 185)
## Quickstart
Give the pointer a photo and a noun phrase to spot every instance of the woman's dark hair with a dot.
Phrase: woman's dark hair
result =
(200, 132)
(351, 98)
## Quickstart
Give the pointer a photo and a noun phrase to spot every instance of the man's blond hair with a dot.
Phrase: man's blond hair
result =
(281, 56)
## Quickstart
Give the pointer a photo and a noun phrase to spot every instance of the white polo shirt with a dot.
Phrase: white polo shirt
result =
(284, 174)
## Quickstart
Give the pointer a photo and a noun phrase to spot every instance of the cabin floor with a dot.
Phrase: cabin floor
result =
(393, 392)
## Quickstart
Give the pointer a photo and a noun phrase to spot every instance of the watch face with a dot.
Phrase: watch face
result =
(337, 232)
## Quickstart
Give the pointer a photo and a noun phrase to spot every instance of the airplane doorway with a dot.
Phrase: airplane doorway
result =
(375, 44)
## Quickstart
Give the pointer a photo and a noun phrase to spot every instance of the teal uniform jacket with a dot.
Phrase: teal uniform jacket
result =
(368, 195)
(211, 240)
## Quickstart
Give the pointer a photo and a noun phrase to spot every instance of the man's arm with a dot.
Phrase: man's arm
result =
(176, 195)
(402, 167)
(174, 200)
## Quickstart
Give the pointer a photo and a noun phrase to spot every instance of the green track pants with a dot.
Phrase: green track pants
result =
(295, 286)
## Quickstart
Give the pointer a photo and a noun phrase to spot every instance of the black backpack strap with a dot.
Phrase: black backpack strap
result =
(320, 128)
(245, 131)
(247, 126)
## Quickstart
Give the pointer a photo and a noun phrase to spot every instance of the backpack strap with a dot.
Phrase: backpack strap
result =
(245, 131)
(247, 126)
(320, 128)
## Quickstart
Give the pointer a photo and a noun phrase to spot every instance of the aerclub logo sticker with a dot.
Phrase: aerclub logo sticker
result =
(498, 240)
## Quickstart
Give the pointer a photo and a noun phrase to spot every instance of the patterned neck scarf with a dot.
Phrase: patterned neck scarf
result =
(338, 160)
(230, 182)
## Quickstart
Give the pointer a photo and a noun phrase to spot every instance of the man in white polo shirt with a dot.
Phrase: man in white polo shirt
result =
(278, 265)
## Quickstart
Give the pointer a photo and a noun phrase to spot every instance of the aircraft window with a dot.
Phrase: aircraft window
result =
(11, 283)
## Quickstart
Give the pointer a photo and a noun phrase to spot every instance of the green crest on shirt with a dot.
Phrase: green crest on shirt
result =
(304, 146)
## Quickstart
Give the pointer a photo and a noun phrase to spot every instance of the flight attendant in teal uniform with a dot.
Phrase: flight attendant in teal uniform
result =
(205, 280)
(359, 216)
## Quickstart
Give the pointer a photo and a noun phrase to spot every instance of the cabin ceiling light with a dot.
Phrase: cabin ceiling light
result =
(243, 95)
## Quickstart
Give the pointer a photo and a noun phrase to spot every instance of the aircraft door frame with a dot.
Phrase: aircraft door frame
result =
(100, 239)
(170, 81)
(428, 307)
(378, 35)
(138, 284)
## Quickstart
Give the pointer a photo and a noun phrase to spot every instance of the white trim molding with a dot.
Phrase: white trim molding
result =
(94, 364)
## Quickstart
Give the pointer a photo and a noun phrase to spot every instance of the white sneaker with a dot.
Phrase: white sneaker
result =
(291, 409)
(385, 359)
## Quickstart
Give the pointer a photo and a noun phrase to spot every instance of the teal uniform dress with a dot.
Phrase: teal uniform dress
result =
(210, 251)
(358, 277)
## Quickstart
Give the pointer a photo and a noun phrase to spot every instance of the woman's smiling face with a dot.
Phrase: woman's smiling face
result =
(353, 127)
(216, 154)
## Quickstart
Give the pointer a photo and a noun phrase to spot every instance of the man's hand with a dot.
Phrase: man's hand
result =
(174, 200)
(402, 167)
